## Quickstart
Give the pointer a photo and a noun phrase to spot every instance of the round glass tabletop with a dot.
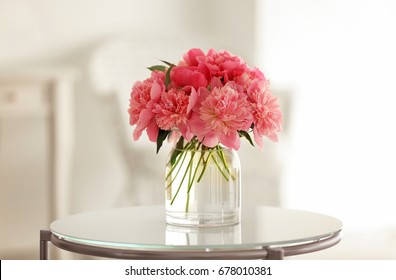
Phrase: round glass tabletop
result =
(144, 228)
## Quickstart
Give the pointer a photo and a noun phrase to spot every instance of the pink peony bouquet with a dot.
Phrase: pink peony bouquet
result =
(212, 99)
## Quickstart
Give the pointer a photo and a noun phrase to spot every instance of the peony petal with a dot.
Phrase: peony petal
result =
(145, 117)
(216, 82)
(230, 65)
(174, 136)
(203, 93)
(210, 140)
(198, 80)
(192, 100)
(183, 129)
(152, 131)
(191, 56)
(138, 131)
(188, 76)
(231, 141)
(156, 91)
(196, 124)
(273, 137)
(258, 138)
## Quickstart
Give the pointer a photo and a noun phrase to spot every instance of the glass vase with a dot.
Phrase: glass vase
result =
(203, 186)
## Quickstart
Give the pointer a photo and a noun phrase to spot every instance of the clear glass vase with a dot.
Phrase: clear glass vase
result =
(203, 186)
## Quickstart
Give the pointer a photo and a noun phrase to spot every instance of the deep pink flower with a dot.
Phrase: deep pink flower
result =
(190, 58)
(267, 116)
(220, 116)
(194, 76)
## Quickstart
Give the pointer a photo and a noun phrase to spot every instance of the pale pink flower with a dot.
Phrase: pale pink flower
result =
(144, 96)
(267, 116)
(220, 116)
(172, 109)
(140, 96)
(248, 77)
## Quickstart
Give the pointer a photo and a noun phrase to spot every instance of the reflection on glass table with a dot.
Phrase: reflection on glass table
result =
(196, 236)
(142, 233)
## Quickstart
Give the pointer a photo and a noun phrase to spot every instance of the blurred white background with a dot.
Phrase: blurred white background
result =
(67, 67)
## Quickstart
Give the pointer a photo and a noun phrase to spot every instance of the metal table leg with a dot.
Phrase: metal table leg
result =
(45, 237)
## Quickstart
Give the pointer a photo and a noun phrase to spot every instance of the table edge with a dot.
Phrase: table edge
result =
(207, 253)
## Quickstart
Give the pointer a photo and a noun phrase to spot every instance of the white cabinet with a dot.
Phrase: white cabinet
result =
(36, 150)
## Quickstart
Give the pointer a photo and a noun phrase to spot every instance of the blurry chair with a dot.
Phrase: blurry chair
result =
(113, 68)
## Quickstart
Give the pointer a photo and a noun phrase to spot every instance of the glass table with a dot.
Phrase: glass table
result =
(142, 233)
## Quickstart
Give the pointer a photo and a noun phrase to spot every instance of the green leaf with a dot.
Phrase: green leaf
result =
(157, 68)
(243, 133)
(167, 76)
(162, 134)
(177, 151)
(168, 63)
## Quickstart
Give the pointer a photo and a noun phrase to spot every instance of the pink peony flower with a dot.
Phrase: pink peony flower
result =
(211, 97)
(223, 64)
(267, 116)
(221, 114)
(144, 95)
(140, 96)
(190, 58)
(248, 77)
(172, 110)
(182, 76)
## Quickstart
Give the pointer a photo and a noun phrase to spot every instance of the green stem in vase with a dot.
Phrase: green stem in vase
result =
(205, 165)
(187, 202)
(195, 174)
(184, 177)
(191, 176)
(189, 165)
(182, 155)
(219, 167)
(175, 159)
(220, 152)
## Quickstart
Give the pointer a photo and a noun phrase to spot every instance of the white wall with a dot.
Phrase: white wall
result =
(338, 59)
(38, 30)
